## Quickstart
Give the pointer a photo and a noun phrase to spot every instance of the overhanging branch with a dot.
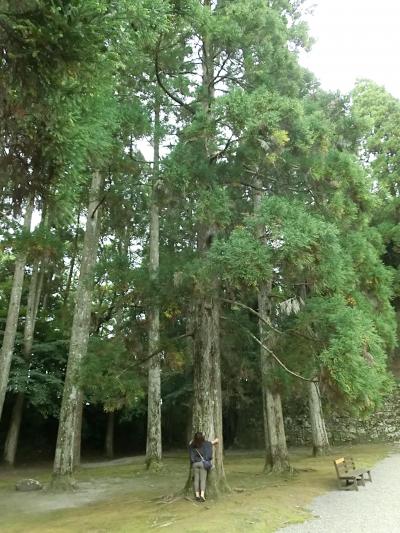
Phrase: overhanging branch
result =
(280, 363)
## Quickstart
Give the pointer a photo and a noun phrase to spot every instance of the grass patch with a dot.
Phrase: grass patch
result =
(127, 498)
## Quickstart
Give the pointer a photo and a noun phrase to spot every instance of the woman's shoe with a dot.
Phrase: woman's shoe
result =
(198, 499)
(202, 499)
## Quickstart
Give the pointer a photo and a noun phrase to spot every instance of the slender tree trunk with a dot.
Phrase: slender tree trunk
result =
(78, 432)
(320, 439)
(109, 440)
(71, 403)
(11, 444)
(10, 447)
(72, 264)
(276, 453)
(7, 348)
(280, 455)
(47, 282)
(154, 443)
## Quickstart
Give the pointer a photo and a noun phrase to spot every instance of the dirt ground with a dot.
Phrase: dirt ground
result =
(121, 496)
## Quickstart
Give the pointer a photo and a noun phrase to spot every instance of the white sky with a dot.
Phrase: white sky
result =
(355, 39)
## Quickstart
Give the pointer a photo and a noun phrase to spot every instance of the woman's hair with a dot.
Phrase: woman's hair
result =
(198, 439)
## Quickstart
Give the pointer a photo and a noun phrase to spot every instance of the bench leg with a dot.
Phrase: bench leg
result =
(362, 480)
(350, 484)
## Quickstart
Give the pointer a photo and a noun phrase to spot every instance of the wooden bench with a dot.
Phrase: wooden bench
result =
(348, 474)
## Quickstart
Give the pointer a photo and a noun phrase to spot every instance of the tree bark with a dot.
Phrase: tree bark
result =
(276, 453)
(109, 440)
(10, 448)
(7, 348)
(154, 442)
(78, 432)
(320, 439)
(72, 264)
(207, 397)
(64, 461)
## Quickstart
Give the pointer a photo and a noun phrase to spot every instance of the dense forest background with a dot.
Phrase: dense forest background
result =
(194, 235)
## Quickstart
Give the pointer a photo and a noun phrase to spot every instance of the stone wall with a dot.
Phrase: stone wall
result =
(383, 425)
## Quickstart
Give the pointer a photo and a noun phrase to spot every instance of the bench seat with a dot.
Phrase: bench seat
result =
(348, 475)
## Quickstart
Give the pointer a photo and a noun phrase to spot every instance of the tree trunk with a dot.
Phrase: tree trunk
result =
(72, 264)
(7, 348)
(279, 452)
(10, 448)
(207, 398)
(78, 432)
(154, 443)
(109, 440)
(276, 453)
(71, 403)
(320, 439)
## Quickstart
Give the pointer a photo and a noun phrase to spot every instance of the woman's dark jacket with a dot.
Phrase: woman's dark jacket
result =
(206, 450)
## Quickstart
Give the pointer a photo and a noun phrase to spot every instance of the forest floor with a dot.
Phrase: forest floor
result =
(121, 496)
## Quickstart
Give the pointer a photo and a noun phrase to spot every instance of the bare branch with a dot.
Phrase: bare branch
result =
(271, 352)
(254, 312)
(161, 84)
(239, 304)
(221, 68)
(97, 206)
(161, 349)
(222, 152)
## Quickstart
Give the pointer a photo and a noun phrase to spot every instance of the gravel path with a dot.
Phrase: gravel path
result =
(375, 508)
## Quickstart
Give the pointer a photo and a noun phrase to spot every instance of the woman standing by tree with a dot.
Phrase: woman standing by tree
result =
(201, 454)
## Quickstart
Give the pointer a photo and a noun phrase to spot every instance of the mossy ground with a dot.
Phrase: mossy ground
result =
(128, 498)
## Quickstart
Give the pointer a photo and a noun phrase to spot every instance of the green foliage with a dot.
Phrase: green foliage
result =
(109, 375)
(300, 238)
(260, 186)
(354, 358)
(241, 260)
(214, 207)
(41, 378)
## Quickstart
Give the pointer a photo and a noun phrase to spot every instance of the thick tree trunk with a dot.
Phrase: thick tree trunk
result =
(276, 453)
(11, 444)
(71, 403)
(7, 348)
(154, 444)
(109, 440)
(207, 397)
(319, 434)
